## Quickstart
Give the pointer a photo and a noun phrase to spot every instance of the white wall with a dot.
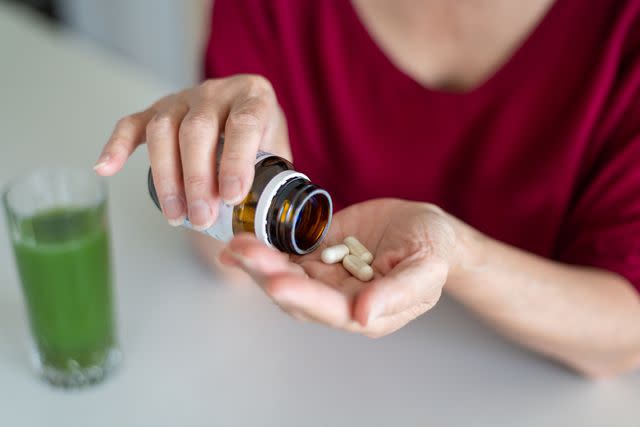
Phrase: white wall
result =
(164, 36)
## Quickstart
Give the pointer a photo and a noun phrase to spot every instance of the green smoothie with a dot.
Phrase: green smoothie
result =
(63, 261)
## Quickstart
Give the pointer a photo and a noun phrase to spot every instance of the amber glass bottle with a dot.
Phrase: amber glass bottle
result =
(283, 209)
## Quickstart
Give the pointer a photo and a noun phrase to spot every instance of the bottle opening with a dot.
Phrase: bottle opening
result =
(311, 221)
(299, 217)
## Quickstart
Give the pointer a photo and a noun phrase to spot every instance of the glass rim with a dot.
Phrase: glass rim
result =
(5, 188)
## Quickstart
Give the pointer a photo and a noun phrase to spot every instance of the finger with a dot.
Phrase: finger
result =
(198, 137)
(333, 274)
(287, 284)
(384, 325)
(127, 135)
(258, 257)
(244, 130)
(164, 154)
(246, 251)
(415, 282)
(276, 135)
(314, 299)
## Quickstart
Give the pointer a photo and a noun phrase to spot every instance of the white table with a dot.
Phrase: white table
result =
(199, 352)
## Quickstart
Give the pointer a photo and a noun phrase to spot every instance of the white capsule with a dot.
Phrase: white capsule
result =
(356, 266)
(334, 254)
(358, 249)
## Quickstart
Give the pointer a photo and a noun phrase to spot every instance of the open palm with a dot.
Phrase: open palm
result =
(412, 244)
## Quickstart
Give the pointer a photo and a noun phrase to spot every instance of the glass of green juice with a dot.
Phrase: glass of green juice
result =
(57, 220)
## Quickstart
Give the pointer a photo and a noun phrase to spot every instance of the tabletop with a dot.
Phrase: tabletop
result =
(202, 352)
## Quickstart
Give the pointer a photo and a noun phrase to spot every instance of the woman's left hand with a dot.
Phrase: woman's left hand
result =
(414, 246)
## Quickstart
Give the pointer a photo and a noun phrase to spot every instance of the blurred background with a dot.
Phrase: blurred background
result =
(167, 42)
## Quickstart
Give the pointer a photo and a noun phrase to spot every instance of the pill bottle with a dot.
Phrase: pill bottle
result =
(283, 208)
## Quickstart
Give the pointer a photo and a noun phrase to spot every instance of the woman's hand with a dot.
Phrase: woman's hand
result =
(414, 248)
(182, 132)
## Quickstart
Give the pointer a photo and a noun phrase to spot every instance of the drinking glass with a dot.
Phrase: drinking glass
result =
(57, 221)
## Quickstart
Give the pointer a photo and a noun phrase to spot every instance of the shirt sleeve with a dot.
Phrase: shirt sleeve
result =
(602, 228)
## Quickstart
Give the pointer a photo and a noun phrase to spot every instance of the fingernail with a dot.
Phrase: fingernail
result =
(102, 161)
(375, 312)
(173, 208)
(230, 188)
(177, 222)
(200, 214)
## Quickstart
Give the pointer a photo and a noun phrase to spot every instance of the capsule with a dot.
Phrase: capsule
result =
(334, 254)
(356, 266)
(358, 249)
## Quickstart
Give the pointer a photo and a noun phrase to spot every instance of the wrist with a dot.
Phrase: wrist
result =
(468, 254)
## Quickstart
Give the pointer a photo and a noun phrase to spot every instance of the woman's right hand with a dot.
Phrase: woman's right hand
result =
(182, 132)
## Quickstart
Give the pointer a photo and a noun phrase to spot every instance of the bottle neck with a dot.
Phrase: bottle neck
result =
(299, 216)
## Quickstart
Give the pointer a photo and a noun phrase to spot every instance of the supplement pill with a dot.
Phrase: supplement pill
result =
(356, 266)
(356, 248)
(334, 254)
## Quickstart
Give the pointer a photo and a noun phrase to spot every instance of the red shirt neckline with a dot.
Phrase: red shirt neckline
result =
(505, 74)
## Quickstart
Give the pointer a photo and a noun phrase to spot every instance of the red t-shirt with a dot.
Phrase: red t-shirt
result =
(544, 155)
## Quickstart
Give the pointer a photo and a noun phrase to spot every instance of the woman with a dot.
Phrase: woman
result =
(507, 133)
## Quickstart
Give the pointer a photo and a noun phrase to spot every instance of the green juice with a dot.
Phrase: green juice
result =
(64, 265)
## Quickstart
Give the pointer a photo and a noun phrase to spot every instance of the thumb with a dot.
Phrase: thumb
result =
(416, 281)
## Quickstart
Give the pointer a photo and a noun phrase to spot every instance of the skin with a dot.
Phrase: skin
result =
(181, 131)
(421, 251)
(447, 45)
(587, 319)
(412, 243)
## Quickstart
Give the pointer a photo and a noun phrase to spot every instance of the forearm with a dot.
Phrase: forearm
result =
(586, 318)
